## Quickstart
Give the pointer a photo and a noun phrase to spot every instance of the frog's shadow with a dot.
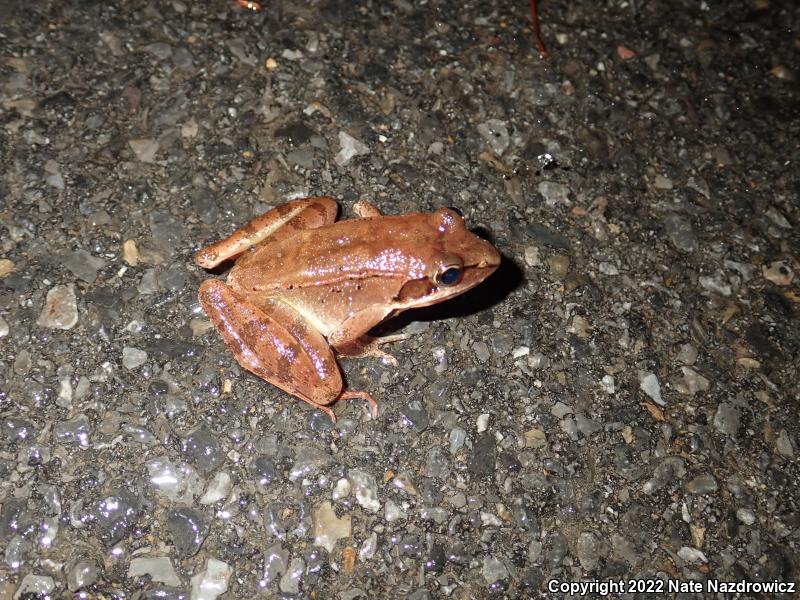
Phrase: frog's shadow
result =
(493, 290)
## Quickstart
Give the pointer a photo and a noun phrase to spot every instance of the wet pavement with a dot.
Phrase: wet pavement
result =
(617, 404)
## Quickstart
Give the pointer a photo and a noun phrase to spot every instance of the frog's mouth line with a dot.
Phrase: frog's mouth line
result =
(424, 292)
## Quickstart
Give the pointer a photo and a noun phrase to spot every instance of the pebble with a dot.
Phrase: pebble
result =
(716, 283)
(212, 581)
(130, 253)
(60, 309)
(495, 133)
(482, 422)
(415, 416)
(290, 582)
(189, 529)
(692, 382)
(783, 444)
(681, 232)
(341, 490)
(687, 354)
(702, 484)
(587, 550)
(145, 149)
(202, 448)
(778, 272)
(328, 528)
(83, 265)
(481, 350)
(133, 358)
(554, 193)
(365, 488)
(393, 512)
(276, 561)
(493, 570)
(350, 148)
(727, 419)
(22, 362)
(648, 383)
(608, 384)
(481, 462)
(6, 266)
(535, 438)
(558, 265)
(457, 438)
(81, 575)
(692, 555)
(559, 410)
(662, 182)
(75, 430)
(53, 177)
(746, 515)
(218, 489)
(158, 568)
(35, 586)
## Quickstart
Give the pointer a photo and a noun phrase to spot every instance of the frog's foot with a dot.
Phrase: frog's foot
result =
(373, 404)
(368, 346)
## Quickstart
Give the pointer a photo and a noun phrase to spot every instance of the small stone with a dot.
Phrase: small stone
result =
(133, 358)
(81, 575)
(199, 326)
(662, 182)
(535, 438)
(532, 258)
(189, 529)
(457, 438)
(6, 266)
(482, 422)
(290, 582)
(692, 382)
(328, 528)
(34, 586)
(648, 383)
(559, 410)
(778, 272)
(341, 490)
(393, 512)
(158, 568)
(365, 488)
(681, 233)
(481, 350)
(783, 444)
(83, 265)
(702, 484)
(716, 283)
(687, 354)
(608, 384)
(60, 308)
(554, 193)
(727, 419)
(22, 362)
(588, 550)
(493, 570)
(692, 555)
(495, 133)
(212, 581)
(350, 148)
(4, 329)
(482, 460)
(558, 265)
(218, 489)
(189, 129)
(746, 515)
(130, 253)
(276, 561)
(144, 149)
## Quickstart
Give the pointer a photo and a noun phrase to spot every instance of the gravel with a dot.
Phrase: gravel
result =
(618, 401)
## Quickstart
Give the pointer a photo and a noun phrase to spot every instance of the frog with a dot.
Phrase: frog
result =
(306, 288)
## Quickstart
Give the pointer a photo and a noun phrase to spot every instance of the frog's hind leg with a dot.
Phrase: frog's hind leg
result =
(276, 344)
(280, 222)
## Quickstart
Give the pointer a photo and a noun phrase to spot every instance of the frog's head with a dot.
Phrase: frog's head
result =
(455, 261)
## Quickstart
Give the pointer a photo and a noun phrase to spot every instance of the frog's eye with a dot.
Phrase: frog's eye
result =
(450, 276)
(449, 270)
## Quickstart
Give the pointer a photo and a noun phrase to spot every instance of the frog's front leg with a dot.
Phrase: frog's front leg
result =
(352, 339)
(280, 222)
(277, 344)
